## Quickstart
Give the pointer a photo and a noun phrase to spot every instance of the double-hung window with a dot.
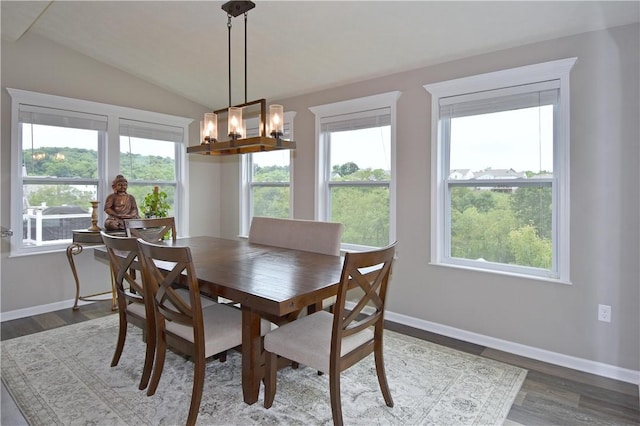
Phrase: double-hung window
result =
(58, 157)
(500, 167)
(148, 154)
(266, 179)
(65, 154)
(356, 168)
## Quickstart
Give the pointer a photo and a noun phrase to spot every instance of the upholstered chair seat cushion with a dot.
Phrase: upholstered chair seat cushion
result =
(136, 309)
(308, 340)
(215, 317)
(220, 317)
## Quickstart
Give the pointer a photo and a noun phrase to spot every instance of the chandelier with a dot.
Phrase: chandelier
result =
(270, 135)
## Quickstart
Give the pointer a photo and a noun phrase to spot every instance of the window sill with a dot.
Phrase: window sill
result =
(48, 250)
(507, 273)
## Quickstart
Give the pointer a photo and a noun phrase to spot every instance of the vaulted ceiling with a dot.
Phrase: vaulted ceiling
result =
(296, 47)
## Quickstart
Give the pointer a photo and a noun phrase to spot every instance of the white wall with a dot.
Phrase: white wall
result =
(605, 231)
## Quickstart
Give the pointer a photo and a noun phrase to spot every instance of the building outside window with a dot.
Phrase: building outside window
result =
(356, 169)
(500, 164)
(64, 155)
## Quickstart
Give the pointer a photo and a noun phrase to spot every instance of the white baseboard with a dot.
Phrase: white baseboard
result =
(43, 309)
(593, 367)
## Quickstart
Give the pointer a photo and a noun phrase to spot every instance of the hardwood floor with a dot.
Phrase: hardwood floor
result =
(550, 395)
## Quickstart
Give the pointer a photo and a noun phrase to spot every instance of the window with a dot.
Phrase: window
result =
(65, 155)
(356, 168)
(148, 155)
(500, 165)
(266, 179)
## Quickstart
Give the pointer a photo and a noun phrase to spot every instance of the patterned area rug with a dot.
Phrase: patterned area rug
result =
(63, 376)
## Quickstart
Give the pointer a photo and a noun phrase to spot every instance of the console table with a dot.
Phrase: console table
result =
(81, 238)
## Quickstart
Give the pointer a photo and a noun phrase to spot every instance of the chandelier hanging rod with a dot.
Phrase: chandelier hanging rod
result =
(235, 9)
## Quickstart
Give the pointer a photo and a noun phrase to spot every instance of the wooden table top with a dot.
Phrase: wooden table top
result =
(264, 278)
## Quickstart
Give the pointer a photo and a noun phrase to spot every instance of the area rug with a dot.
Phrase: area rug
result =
(63, 377)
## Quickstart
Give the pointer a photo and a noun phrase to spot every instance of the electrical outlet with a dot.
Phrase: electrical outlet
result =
(604, 313)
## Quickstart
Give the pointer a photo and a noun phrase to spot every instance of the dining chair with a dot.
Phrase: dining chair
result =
(306, 235)
(151, 229)
(133, 307)
(333, 342)
(196, 331)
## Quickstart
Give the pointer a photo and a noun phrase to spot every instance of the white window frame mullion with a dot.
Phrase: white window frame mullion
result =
(111, 164)
(562, 172)
(246, 202)
(16, 184)
(393, 229)
(443, 191)
(322, 195)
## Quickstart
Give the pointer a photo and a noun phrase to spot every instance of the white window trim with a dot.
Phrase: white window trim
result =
(553, 70)
(246, 166)
(379, 101)
(107, 168)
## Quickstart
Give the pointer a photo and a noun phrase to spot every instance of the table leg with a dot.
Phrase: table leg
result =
(252, 355)
(314, 308)
(72, 250)
(114, 292)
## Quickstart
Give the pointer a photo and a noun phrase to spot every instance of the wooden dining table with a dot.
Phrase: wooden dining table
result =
(268, 282)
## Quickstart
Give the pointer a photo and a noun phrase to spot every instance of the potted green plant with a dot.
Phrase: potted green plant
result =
(155, 204)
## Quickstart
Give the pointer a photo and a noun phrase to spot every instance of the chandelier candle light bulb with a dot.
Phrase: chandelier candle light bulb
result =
(210, 128)
(276, 114)
(235, 122)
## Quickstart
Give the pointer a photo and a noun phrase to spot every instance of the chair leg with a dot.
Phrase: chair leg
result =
(382, 376)
(158, 365)
(271, 369)
(196, 393)
(334, 392)
(148, 358)
(122, 335)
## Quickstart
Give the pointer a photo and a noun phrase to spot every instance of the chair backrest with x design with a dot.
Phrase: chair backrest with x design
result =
(122, 269)
(331, 343)
(151, 229)
(368, 274)
(163, 266)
